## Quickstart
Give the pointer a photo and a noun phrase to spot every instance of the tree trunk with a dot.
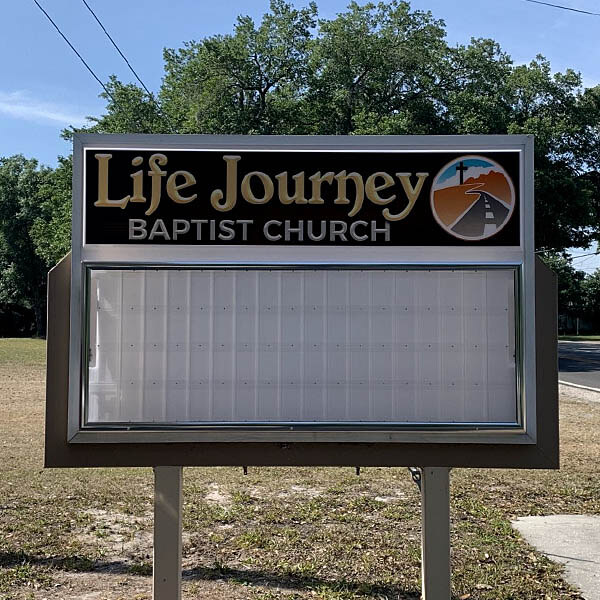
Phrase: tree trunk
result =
(39, 310)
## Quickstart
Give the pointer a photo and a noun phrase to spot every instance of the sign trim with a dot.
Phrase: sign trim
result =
(82, 253)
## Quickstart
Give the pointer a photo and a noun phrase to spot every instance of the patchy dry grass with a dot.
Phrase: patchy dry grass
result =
(275, 533)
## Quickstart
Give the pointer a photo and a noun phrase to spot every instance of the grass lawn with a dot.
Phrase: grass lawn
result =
(275, 533)
(579, 338)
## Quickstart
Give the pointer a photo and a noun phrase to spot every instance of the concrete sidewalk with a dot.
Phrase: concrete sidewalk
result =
(573, 540)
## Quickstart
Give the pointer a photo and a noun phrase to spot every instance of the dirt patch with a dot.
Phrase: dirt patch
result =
(397, 497)
(299, 490)
(118, 538)
(216, 497)
(96, 586)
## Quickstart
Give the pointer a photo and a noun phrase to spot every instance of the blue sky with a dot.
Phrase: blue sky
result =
(44, 87)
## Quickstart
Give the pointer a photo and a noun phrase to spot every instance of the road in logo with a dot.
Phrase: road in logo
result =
(472, 198)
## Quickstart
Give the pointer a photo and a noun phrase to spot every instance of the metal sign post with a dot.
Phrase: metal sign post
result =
(435, 533)
(167, 533)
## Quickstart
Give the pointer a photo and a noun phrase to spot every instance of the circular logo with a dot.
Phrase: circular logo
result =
(472, 198)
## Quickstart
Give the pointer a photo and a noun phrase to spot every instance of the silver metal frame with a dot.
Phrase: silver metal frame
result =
(85, 256)
(390, 426)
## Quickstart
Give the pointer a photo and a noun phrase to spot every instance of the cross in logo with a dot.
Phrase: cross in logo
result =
(461, 169)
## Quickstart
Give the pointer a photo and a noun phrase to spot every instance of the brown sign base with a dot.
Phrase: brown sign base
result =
(59, 453)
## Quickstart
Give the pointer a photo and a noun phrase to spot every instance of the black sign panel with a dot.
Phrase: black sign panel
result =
(290, 197)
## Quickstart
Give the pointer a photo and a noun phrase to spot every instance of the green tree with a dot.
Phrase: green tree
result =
(129, 109)
(564, 119)
(378, 69)
(251, 81)
(571, 284)
(479, 98)
(50, 231)
(591, 298)
(22, 271)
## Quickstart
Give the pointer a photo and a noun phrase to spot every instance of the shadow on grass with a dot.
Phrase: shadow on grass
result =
(66, 563)
(293, 582)
(238, 576)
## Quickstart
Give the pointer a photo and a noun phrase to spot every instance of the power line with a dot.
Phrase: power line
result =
(584, 255)
(116, 47)
(150, 95)
(557, 250)
(64, 37)
(577, 10)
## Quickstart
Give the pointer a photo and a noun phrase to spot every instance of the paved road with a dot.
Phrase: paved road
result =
(579, 362)
(484, 217)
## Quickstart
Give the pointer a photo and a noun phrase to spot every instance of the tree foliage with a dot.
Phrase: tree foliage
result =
(35, 233)
(571, 300)
(590, 288)
(373, 63)
(22, 271)
(252, 81)
(50, 230)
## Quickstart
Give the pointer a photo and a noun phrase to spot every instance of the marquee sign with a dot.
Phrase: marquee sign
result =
(212, 197)
(247, 292)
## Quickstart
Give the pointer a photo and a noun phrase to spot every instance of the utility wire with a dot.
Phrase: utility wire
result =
(577, 10)
(64, 37)
(117, 47)
(150, 94)
(573, 257)
(583, 255)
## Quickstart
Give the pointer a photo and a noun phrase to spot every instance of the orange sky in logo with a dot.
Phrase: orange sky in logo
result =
(451, 202)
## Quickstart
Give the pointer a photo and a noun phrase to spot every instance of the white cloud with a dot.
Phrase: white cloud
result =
(471, 173)
(20, 105)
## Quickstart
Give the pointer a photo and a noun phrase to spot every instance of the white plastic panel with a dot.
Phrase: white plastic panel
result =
(191, 346)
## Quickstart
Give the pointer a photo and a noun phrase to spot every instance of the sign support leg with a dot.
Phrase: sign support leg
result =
(167, 533)
(435, 533)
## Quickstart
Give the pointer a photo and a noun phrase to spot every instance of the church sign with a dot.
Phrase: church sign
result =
(301, 300)
(384, 197)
